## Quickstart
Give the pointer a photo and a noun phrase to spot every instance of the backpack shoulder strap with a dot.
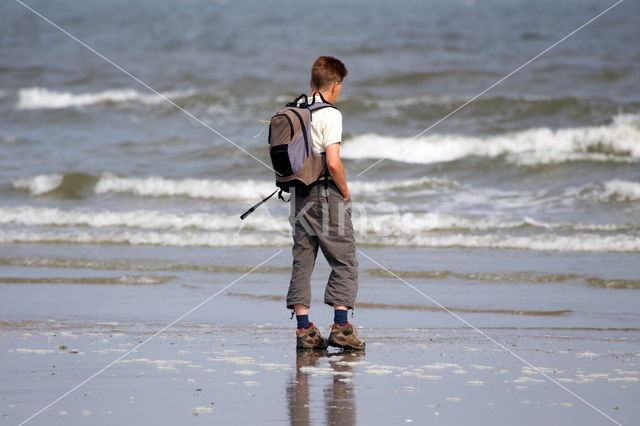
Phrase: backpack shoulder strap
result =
(320, 105)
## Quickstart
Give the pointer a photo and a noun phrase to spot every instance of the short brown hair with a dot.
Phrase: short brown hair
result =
(326, 70)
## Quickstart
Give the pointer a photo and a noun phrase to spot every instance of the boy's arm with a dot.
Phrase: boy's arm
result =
(336, 170)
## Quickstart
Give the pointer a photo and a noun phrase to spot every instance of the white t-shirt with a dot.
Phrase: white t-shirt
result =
(326, 127)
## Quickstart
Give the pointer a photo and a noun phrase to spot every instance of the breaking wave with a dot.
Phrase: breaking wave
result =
(401, 224)
(615, 190)
(542, 242)
(124, 280)
(155, 186)
(614, 142)
(41, 98)
(137, 238)
(147, 227)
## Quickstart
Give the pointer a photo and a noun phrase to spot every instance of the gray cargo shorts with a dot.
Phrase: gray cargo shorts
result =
(322, 220)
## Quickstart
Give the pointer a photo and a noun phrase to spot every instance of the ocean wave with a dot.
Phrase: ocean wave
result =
(39, 185)
(400, 224)
(41, 98)
(194, 188)
(141, 219)
(510, 277)
(137, 238)
(614, 142)
(538, 242)
(611, 191)
(155, 186)
(65, 185)
(411, 224)
(132, 265)
(123, 280)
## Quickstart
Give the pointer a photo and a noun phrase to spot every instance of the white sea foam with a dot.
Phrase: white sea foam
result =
(143, 219)
(615, 142)
(249, 189)
(543, 242)
(41, 98)
(195, 188)
(615, 190)
(402, 224)
(235, 189)
(137, 238)
(40, 184)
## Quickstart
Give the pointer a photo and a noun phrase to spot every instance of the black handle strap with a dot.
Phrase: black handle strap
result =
(294, 103)
(252, 209)
(321, 98)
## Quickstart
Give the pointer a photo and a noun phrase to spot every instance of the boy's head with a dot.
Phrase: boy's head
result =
(327, 74)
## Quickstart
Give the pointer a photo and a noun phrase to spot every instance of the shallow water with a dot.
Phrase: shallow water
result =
(547, 160)
(235, 375)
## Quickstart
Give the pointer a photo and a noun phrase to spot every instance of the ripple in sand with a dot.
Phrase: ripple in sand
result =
(421, 376)
(201, 410)
(618, 371)
(537, 370)
(324, 371)
(624, 379)
(481, 367)
(32, 351)
(527, 380)
(246, 372)
(561, 404)
(588, 355)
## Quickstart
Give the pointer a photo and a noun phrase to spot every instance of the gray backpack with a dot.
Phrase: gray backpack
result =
(291, 147)
(294, 161)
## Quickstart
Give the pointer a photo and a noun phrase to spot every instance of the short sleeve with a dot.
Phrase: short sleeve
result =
(332, 127)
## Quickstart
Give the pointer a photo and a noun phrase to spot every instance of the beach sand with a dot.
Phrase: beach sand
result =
(233, 361)
(252, 375)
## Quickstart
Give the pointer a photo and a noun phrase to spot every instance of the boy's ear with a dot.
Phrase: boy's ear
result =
(334, 87)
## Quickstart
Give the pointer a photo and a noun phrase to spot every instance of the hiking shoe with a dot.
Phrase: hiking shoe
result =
(345, 337)
(310, 338)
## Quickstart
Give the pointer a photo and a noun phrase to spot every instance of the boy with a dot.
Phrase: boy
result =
(323, 220)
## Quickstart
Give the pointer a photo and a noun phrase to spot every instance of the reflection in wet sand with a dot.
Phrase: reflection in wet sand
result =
(340, 401)
(339, 398)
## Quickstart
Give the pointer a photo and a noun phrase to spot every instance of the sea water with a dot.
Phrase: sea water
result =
(536, 183)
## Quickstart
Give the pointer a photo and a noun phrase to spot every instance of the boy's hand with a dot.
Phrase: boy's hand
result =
(336, 170)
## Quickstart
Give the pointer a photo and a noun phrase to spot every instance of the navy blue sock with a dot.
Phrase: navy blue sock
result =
(340, 316)
(303, 321)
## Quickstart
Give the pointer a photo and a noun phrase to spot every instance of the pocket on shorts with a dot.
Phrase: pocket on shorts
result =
(339, 215)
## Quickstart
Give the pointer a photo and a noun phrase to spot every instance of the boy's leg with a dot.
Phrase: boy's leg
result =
(337, 243)
(340, 313)
(305, 251)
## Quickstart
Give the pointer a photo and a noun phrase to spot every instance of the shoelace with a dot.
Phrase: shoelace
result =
(354, 330)
(351, 327)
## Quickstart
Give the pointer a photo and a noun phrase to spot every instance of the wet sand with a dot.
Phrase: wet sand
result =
(232, 361)
(248, 374)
